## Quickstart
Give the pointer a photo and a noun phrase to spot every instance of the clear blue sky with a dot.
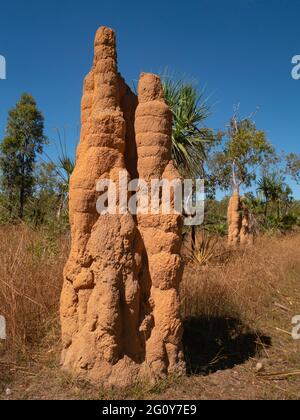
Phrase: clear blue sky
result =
(240, 49)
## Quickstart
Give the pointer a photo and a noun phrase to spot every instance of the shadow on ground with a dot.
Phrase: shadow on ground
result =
(219, 343)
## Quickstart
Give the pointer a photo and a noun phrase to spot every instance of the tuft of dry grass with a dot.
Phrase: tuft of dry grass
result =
(31, 265)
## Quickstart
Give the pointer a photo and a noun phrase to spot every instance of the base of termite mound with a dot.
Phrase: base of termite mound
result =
(124, 374)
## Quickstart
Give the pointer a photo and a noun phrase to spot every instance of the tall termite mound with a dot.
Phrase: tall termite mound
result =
(247, 228)
(119, 304)
(240, 221)
(161, 233)
(234, 218)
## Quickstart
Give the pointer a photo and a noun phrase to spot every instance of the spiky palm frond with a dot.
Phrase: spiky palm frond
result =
(274, 189)
(65, 163)
(190, 138)
(271, 187)
(202, 249)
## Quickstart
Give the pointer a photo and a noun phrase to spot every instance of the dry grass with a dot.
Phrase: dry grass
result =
(237, 309)
(243, 283)
(240, 305)
(31, 265)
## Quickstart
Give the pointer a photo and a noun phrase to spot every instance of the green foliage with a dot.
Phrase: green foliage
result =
(273, 189)
(64, 167)
(219, 228)
(215, 221)
(23, 141)
(65, 164)
(252, 203)
(274, 224)
(40, 207)
(293, 166)
(191, 140)
(245, 147)
(290, 221)
(44, 205)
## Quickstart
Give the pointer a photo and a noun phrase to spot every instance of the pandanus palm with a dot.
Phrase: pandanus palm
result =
(190, 138)
(64, 167)
(274, 190)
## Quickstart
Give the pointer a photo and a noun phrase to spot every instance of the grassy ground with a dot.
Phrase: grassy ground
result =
(237, 312)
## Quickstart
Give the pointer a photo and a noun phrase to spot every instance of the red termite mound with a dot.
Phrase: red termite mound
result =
(234, 218)
(120, 303)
